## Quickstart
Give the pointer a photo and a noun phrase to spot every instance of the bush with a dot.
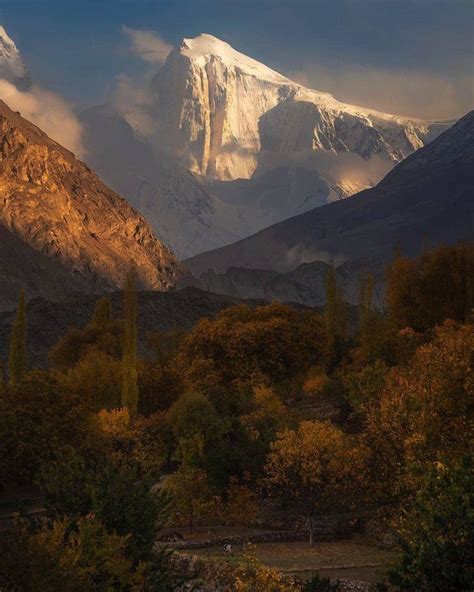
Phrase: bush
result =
(119, 495)
(66, 555)
(39, 419)
(320, 584)
(437, 534)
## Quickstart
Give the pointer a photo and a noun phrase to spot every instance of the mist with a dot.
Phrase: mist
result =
(48, 111)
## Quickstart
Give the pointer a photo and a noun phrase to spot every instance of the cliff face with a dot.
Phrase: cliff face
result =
(58, 208)
(226, 115)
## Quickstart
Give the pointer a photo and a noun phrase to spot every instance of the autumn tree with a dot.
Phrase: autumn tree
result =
(316, 469)
(129, 355)
(97, 336)
(268, 416)
(194, 500)
(226, 357)
(159, 385)
(17, 359)
(437, 285)
(97, 379)
(425, 411)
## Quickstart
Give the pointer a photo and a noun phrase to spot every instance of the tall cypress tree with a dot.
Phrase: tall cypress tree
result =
(366, 291)
(17, 359)
(102, 312)
(334, 311)
(129, 359)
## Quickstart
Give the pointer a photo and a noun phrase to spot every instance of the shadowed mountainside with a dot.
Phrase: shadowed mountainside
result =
(425, 200)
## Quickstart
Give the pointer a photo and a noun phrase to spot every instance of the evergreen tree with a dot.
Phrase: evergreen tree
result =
(366, 291)
(17, 362)
(334, 311)
(102, 312)
(129, 356)
(366, 314)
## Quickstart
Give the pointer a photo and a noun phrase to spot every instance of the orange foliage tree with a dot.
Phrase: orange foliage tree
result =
(316, 469)
(426, 409)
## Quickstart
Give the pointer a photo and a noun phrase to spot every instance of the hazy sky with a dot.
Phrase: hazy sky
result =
(413, 57)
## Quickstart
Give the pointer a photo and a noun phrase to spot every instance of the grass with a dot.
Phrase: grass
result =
(357, 558)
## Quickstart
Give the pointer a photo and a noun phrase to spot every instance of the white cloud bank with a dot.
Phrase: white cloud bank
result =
(48, 111)
(148, 45)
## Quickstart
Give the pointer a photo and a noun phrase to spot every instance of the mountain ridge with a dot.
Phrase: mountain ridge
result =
(427, 197)
(227, 138)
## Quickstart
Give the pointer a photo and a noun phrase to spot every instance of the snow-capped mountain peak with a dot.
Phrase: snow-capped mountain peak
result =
(228, 116)
(206, 47)
(12, 66)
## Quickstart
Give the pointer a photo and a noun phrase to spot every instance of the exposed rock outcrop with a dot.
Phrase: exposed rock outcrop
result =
(60, 211)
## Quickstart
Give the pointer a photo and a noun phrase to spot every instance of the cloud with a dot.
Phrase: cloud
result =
(48, 111)
(299, 254)
(133, 100)
(401, 92)
(148, 45)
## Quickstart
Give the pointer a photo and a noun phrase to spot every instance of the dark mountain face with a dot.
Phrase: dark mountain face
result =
(62, 229)
(427, 199)
(48, 321)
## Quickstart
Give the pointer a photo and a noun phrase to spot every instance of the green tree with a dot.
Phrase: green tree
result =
(17, 359)
(129, 356)
(120, 495)
(437, 534)
(38, 419)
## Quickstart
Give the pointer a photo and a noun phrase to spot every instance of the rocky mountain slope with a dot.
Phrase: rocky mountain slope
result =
(57, 215)
(425, 200)
(227, 141)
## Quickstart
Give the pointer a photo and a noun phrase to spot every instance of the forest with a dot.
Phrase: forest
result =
(222, 425)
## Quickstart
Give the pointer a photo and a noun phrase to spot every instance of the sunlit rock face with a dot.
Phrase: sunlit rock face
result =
(226, 116)
(53, 206)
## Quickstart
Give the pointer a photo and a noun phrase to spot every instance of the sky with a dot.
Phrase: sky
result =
(412, 57)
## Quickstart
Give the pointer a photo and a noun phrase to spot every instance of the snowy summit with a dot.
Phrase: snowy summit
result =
(225, 115)
(12, 66)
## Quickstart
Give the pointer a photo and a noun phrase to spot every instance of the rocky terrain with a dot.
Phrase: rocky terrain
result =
(303, 285)
(426, 200)
(56, 215)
